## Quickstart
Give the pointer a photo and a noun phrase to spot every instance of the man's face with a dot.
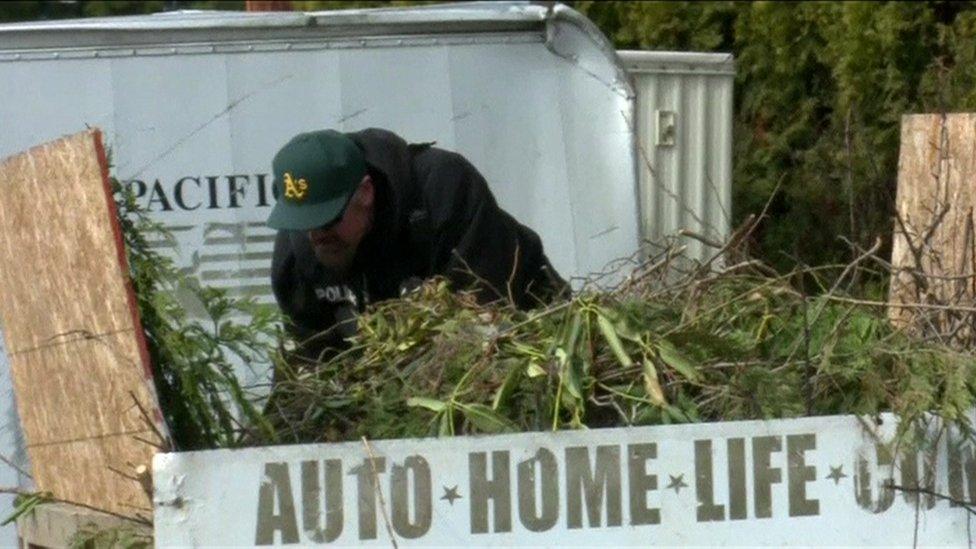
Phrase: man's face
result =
(335, 245)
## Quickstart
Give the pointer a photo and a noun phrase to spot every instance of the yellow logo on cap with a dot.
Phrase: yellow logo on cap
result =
(296, 190)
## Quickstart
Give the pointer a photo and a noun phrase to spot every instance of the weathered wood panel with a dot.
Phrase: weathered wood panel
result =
(933, 248)
(78, 356)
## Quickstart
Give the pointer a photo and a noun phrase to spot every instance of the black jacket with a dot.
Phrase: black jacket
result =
(434, 216)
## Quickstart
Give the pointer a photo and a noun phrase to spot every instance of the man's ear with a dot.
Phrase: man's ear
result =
(366, 191)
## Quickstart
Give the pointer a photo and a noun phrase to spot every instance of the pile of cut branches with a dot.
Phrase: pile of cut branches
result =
(676, 342)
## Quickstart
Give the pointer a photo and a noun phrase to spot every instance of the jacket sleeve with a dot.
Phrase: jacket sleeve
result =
(477, 244)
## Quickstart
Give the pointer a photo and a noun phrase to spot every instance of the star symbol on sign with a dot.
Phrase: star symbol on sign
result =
(451, 494)
(677, 483)
(836, 473)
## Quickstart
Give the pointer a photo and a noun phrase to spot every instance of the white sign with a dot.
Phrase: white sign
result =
(811, 481)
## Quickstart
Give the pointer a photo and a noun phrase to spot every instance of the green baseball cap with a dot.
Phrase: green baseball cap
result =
(315, 174)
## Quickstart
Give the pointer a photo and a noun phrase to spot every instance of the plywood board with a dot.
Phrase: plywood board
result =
(935, 203)
(78, 356)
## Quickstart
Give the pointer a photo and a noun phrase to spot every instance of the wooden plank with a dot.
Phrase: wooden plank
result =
(78, 355)
(935, 203)
(57, 524)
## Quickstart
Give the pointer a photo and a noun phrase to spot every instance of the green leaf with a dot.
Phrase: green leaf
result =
(606, 327)
(507, 388)
(652, 386)
(429, 403)
(486, 420)
(569, 376)
(446, 427)
(25, 504)
(674, 358)
(534, 370)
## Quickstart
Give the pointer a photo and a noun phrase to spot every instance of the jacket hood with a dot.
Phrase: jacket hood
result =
(389, 154)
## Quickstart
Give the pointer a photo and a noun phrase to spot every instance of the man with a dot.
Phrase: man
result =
(364, 216)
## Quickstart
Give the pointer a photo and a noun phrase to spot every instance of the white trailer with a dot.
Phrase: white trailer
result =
(194, 104)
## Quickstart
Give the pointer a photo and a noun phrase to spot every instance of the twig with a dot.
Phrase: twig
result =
(926, 491)
(808, 367)
(701, 238)
(874, 249)
(850, 171)
(379, 492)
(14, 466)
(931, 306)
(164, 442)
(511, 276)
(52, 499)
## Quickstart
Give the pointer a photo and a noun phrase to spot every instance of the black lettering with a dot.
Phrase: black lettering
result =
(863, 480)
(482, 490)
(276, 488)
(235, 190)
(592, 483)
(262, 190)
(764, 475)
(640, 482)
(158, 195)
(178, 193)
(962, 471)
(422, 498)
(909, 477)
(137, 188)
(212, 186)
(366, 493)
(708, 510)
(737, 478)
(533, 518)
(312, 496)
(800, 474)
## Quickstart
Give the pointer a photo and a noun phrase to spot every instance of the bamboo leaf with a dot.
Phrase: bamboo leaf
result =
(25, 504)
(607, 329)
(568, 375)
(534, 370)
(485, 419)
(652, 386)
(682, 364)
(424, 402)
(507, 388)
(446, 427)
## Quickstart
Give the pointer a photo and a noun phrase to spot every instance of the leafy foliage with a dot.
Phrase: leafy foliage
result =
(24, 504)
(120, 537)
(203, 401)
(699, 347)
(32, 10)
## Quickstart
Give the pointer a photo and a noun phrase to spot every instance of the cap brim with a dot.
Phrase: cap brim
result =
(305, 217)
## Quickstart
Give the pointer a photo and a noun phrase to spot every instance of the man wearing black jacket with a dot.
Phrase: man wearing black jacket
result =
(364, 216)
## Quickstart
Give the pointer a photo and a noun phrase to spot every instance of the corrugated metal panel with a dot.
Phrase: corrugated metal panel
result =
(685, 172)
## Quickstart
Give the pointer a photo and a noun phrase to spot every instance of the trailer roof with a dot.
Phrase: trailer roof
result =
(189, 26)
